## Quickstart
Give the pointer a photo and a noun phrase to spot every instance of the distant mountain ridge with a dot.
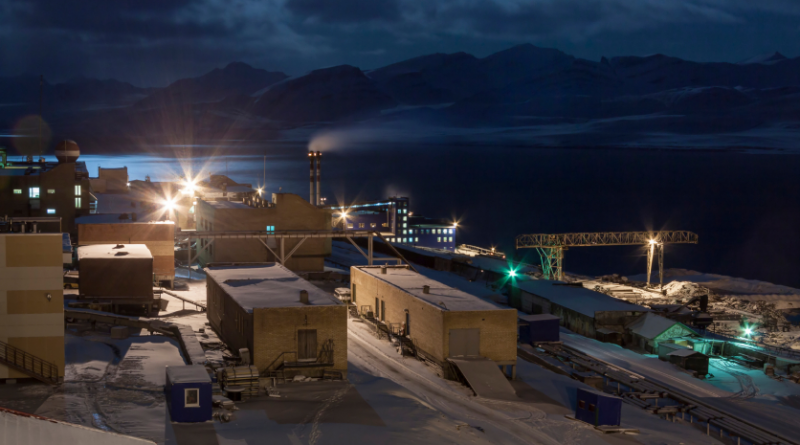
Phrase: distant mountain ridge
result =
(512, 88)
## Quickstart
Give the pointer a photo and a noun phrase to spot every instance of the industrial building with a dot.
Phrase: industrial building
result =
(36, 188)
(583, 311)
(392, 216)
(31, 307)
(158, 237)
(441, 321)
(110, 180)
(286, 212)
(286, 324)
(647, 331)
(20, 428)
(119, 276)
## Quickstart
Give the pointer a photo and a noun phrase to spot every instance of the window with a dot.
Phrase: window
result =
(373, 225)
(51, 211)
(591, 407)
(77, 190)
(191, 397)
(416, 240)
(307, 344)
(77, 203)
(51, 191)
(405, 225)
(405, 232)
(582, 404)
(270, 228)
(33, 192)
(385, 225)
(360, 225)
(191, 209)
(438, 239)
(349, 226)
(399, 210)
(450, 239)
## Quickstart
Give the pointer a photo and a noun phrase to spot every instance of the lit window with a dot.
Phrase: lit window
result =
(451, 239)
(17, 191)
(349, 226)
(191, 209)
(360, 225)
(270, 228)
(33, 192)
(51, 211)
(438, 239)
(373, 225)
(385, 225)
(405, 211)
(399, 210)
(405, 218)
(405, 240)
(77, 203)
(51, 191)
(405, 225)
(77, 190)
(416, 240)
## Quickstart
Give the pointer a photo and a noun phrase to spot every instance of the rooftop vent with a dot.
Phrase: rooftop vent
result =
(426, 289)
(119, 246)
(304, 296)
(383, 270)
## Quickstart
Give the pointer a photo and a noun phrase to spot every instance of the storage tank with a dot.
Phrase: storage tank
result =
(67, 151)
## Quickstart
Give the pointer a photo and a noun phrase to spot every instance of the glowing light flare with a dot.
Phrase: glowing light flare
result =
(748, 331)
(512, 273)
(652, 241)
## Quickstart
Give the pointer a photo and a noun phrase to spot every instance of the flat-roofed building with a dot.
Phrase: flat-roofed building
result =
(31, 306)
(286, 323)
(581, 310)
(286, 212)
(159, 237)
(120, 275)
(442, 321)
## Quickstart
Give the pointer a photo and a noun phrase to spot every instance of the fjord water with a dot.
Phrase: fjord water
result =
(744, 206)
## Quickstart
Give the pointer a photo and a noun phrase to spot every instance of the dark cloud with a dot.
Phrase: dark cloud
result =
(153, 42)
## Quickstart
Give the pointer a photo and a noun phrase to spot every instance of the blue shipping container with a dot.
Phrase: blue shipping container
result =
(598, 408)
(189, 393)
(539, 328)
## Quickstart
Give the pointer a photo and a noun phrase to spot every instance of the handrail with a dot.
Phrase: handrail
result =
(269, 367)
(28, 363)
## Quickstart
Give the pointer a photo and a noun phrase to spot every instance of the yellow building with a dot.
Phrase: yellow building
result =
(286, 323)
(31, 306)
(443, 322)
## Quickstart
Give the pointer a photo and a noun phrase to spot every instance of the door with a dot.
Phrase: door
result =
(353, 296)
(377, 308)
(408, 324)
(383, 310)
(307, 345)
(465, 342)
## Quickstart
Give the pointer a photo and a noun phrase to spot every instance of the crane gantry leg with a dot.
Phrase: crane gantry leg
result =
(661, 267)
(552, 262)
(656, 249)
(650, 252)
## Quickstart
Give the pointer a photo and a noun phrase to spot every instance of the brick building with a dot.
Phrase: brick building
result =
(31, 305)
(286, 212)
(441, 321)
(286, 323)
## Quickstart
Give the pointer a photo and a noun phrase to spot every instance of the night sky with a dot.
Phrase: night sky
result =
(154, 42)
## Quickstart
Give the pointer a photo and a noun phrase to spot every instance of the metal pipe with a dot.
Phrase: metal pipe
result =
(319, 176)
(311, 177)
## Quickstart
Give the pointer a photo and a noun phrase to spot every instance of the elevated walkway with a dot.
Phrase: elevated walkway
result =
(484, 377)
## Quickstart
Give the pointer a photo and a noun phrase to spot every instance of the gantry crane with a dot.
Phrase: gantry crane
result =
(551, 246)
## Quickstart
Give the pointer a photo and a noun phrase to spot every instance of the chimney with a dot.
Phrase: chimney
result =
(319, 175)
(426, 289)
(311, 177)
(383, 270)
(304, 296)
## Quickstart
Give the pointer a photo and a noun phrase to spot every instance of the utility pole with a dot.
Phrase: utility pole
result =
(41, 86)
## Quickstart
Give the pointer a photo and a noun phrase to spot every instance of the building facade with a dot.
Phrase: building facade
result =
(32, 300)
(286, 212)
(286, 323)
(41, 189)
(441, 321)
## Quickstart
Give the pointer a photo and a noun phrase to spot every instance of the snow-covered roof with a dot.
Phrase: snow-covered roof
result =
(29, 429)
(651, 325)
(441, 296)
(267, 285)
(684, 352)
(114, 251)
(188, 374)
(578, 299)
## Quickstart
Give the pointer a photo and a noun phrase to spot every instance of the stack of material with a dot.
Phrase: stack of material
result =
(242, 376)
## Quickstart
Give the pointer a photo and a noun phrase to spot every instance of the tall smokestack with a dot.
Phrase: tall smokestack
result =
(319, 176)
(311, 177)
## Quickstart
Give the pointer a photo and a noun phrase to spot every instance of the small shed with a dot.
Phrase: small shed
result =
(690, 360)
(539, 328)
(597, 408)
(189, 393)
(665, 348)
(650, 329)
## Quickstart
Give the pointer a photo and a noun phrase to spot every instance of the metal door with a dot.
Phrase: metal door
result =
(465, 342)
(383, 310)
(307, 344)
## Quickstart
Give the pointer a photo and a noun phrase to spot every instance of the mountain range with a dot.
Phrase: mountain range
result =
(545, 96)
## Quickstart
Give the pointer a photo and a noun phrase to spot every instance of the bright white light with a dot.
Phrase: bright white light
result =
(748, 331)
(652, 241)
(512, 273)
(260, 190)
(169, 204)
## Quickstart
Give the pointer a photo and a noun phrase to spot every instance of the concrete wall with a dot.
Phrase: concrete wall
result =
(430, 325)
(30, 269)
(290, 212)
(158, 237)
(275, 332)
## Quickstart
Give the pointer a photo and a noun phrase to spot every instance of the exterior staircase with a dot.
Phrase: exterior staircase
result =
(30, 365)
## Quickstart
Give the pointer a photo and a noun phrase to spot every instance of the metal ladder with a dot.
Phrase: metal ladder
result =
(28, 364)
